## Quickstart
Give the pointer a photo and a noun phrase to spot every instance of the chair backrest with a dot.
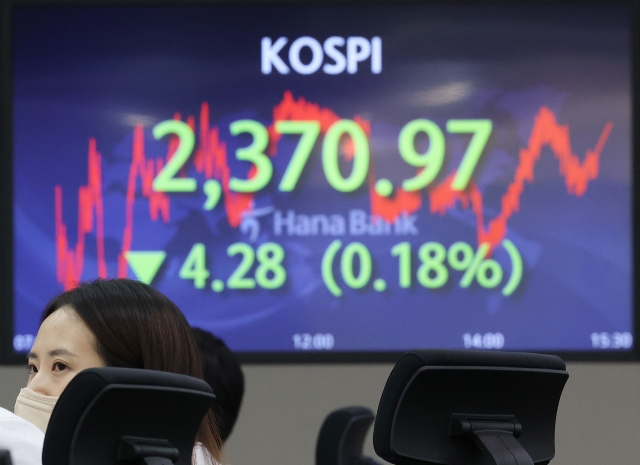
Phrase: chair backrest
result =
(5, 457)
(342, 435)
(107, 416)
(451, 407)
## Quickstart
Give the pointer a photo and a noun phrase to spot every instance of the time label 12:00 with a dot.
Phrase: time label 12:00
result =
(427, 163)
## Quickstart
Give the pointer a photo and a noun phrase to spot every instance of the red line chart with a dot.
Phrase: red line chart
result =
(210, 160)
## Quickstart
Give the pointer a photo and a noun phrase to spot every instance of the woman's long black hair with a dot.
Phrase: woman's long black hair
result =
(136, 326)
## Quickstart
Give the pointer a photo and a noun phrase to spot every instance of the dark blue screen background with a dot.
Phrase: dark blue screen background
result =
(96, 72)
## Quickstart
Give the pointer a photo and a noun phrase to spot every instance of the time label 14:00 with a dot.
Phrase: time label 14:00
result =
(427, 163)
(263, 267)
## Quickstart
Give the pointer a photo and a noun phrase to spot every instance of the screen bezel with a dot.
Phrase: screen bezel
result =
(7, 355)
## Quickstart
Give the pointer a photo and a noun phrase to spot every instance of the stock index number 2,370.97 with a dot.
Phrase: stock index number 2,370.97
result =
(428, 163)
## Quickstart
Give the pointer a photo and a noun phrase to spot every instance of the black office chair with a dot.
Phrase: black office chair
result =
(109, 416)
(5, 457)
(470, 408)
(342, 435)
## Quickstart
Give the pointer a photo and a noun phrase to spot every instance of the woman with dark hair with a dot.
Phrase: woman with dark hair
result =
(116, 323)
(223, 373)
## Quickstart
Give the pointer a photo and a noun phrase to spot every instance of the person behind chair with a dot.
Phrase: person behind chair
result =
(114, 323)
(223, 373)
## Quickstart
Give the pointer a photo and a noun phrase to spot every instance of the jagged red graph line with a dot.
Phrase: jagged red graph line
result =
(210, 160)
(545, 132)
(71, 262)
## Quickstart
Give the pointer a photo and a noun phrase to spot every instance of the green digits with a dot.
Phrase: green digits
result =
(195, 266)
(403, 252)
(165, 180)
(237, 279)
(432, 256)
(309, 130)
(270, 256)
(330, 151)
(481, 130)
(253, 154)
(346, 265)
(430, 161)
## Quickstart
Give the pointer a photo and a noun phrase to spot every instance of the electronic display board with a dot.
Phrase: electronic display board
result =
(332, 179)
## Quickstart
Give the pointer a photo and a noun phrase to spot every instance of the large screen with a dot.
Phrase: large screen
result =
(332, 179)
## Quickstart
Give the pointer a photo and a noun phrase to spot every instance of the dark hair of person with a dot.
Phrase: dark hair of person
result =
(136, 326)
(223, 373)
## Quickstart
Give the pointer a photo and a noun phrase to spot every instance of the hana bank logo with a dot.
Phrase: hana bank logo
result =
(343, 54)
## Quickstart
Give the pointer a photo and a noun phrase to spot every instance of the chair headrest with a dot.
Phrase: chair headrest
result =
(100, 405)
(5, 457)
(342, 435)
(427, 388)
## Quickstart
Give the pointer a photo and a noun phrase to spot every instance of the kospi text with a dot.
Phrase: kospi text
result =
(334, 56)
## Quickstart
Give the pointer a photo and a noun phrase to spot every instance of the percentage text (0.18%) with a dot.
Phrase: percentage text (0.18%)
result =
(356, 265)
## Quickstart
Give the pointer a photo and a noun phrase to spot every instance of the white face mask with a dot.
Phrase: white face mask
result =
(35, 408)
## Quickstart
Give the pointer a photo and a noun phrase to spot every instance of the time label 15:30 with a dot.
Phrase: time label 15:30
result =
(428, 162)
